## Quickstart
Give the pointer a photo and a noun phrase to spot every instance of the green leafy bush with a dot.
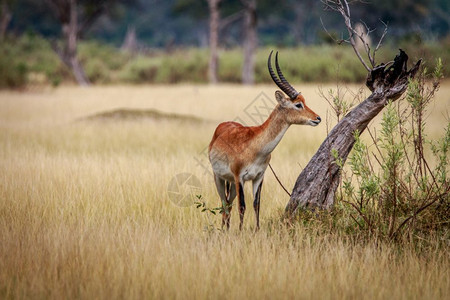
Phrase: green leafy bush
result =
(29, 59)
(139, 70)
(230, 66)
(13, 74)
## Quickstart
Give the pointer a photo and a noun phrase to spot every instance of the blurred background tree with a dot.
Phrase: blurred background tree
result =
(185, 22)
(242, 29)
(76, 17)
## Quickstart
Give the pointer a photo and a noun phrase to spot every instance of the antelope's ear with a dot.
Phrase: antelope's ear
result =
(281, 99)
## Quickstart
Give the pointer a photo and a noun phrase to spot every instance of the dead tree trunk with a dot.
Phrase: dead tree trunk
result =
(213, 40)
(250, 41)
(317, 183)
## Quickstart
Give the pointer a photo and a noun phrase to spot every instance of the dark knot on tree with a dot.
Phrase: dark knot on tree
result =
(391, 79)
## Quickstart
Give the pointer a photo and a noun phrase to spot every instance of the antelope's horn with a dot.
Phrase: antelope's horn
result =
(281, 82)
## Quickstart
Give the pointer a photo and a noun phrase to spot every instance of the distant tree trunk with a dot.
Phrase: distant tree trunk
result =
(297, 27)
(130, 43)
(66, 11)
(250, 41)
(70, 32)
(214, 17)
(317, 183)
(5, 18)
(303, 15)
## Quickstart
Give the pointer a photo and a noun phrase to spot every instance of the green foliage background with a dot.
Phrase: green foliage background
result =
(29, 59)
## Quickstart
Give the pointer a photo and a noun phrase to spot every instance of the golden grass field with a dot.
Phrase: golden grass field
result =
(85, 209)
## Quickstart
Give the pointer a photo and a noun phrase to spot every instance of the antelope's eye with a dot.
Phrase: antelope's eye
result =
(299, 105)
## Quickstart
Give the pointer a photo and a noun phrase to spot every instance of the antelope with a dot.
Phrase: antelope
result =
(242, 153)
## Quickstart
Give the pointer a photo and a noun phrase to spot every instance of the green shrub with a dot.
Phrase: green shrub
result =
(183, 66)
(140, 69)
(396, 192)
(27, 55)
(97, 71)
(111, 58)
(313, 64)
(230, 66)
(13, 74)
(13, 70)
(31, 54)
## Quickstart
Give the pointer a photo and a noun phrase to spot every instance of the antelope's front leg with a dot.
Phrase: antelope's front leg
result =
(257, 186)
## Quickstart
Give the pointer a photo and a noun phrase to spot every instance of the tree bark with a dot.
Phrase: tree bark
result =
(250, 41)
(213, 40)
(317, 183)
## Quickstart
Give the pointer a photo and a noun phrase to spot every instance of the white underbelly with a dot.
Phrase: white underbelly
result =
(223, 171)
(253, 171)
(221, 168)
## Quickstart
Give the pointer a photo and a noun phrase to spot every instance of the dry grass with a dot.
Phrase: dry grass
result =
(85, 213)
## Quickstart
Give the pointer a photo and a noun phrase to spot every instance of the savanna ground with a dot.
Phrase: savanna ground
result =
(85, 210)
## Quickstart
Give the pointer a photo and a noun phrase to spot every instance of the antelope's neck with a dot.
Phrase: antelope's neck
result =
(272, 131)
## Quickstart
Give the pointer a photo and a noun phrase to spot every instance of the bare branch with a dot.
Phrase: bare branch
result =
(342, 7)
(276, 177)
(380, 41)
(339, 42)
(359, 212)
(365, 40)
(230, 19)
(417, 212)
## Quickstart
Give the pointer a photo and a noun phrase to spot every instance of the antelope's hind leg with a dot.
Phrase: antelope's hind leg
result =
(230, 192)
(227, 193)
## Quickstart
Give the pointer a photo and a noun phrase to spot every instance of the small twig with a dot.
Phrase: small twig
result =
(365, 42)
(374, 139)
(276, 177)
(359, 211)
(414, 215)
(380, 41)
(351, 31)
(356, 221)
(339, 42)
